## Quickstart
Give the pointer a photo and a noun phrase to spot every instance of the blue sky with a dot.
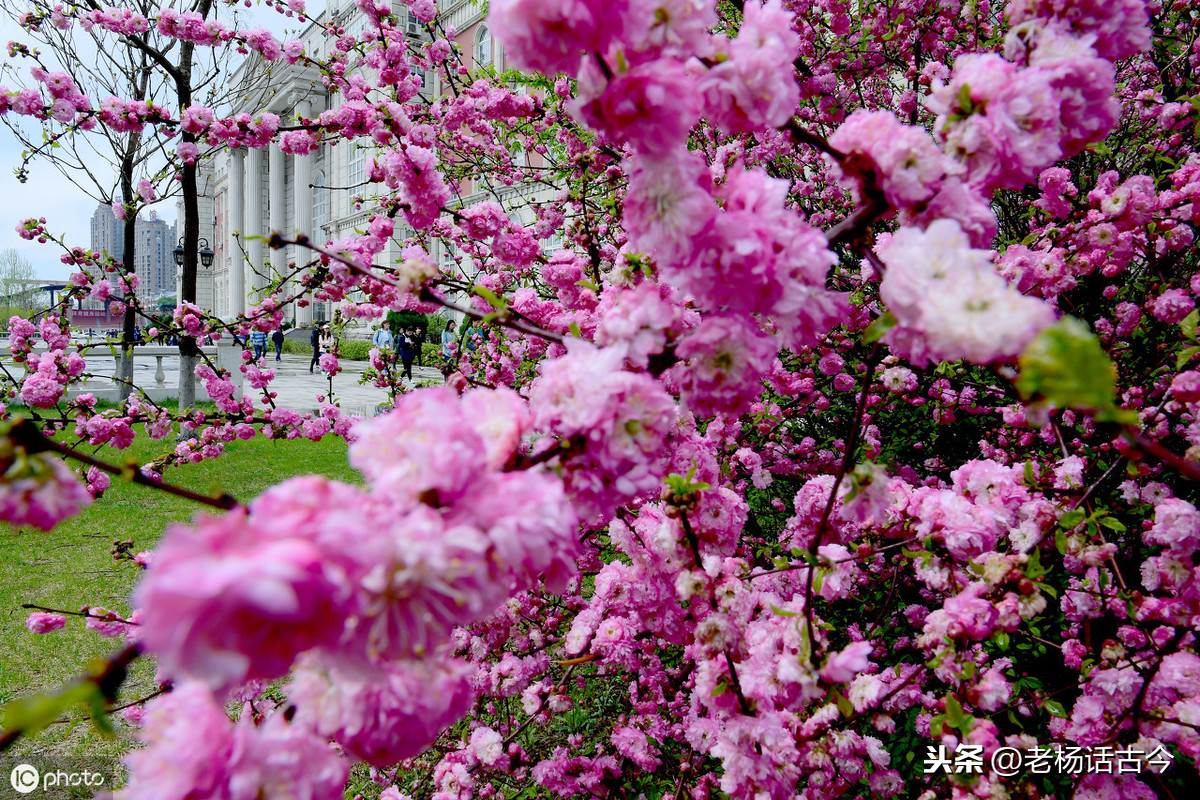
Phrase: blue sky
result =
(67, 209)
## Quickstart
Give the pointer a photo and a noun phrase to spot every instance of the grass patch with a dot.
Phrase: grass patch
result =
(72, 566)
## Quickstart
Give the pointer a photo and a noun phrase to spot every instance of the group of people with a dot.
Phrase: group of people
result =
(258, 339)
(451, 341)
(404, 346)
(321, 340)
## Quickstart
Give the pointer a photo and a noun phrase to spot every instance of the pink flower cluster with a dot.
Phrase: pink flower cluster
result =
(193, 750)
(40, 491)
(613, 425)
(447, 545)
(950, 302)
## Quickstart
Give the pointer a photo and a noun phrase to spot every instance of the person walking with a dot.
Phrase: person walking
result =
(448, 348)
(317, 339)
(384, 341)
(419, 341)
(259, 340)
(277, 340)
(408, 351)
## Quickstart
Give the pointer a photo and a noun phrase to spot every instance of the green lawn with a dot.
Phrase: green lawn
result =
(71, 566)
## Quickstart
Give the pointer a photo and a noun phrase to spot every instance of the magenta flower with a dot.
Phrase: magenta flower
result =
(40, 491)
(41, 622)
(387, 716)
(232, 599)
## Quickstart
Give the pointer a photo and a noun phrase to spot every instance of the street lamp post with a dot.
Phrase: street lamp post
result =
(186, 261)
(206, 253)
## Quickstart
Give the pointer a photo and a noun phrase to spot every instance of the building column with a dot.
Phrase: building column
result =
(236, 285)
(302, 198)
(254, 215)
(275, 181)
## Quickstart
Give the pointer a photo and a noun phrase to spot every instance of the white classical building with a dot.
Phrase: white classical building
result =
(247, 193)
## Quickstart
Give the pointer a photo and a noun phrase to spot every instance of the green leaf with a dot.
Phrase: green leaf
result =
(1186, 355)
(32, 714)
(844, 705)
(1060, 541)
(876, 330)
(1001, 639)
(680, 485)
(1188, 325)
(1071, 519)
(1033, 567)
(1112, 524)
(783, 612)
(494, 299)
(964, 99)
(1054, 707)
(955, 717)
(578, 334)
(1065, 365)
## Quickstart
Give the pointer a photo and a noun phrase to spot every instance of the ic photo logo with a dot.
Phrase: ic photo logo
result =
(24, 778)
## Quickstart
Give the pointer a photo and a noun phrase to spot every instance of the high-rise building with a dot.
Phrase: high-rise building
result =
(154, 250)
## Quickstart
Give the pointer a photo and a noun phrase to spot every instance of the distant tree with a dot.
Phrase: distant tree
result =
(127, 166)
(15, 272)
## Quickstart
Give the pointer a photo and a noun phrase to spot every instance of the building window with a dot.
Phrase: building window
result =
(448, 253)
(483, 47)
(358, 162)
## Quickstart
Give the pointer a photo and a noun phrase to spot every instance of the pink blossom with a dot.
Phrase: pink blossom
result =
(634, 745)
(1009, 132)
(488, 747)
(517, 249)
(992, 691)
(725, 359)
(948, 296)
(385, 717)
(254, 595)
(652, 106)
(1172, 306)
(623, 416)
(40, 491)
(906, 162)
(1120, 27)
(755, 86)
(1176, 526)
(970, 615)
(1185, 386)
(186, 735)
(842, 666)
(668, 205)
(550, 36)
(42, 622)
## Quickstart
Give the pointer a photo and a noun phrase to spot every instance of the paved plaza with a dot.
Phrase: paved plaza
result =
(296, 387)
